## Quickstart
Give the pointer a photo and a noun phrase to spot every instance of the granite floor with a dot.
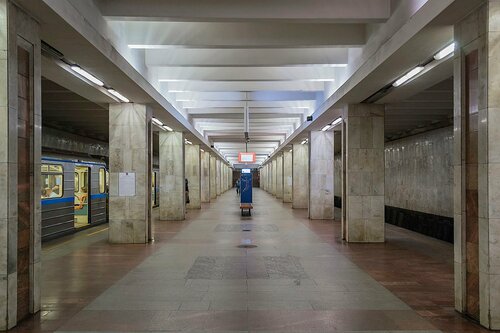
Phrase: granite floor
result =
(273, 272)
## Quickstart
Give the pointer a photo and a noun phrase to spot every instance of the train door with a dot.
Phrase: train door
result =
(82, 200)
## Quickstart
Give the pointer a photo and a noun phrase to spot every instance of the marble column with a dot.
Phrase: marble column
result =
(477, 165)
(300, 174)
(274, 166)
(205, 177)
(129, 151)
(213, 177)
(172, 176)
(263, 177)
(364, 204)
(218, 177)
(287, 177)
(193, 175)
(20, 152)
(321, 203)
(279, 176)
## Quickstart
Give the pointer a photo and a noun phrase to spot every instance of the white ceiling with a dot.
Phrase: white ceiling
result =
(213, 60)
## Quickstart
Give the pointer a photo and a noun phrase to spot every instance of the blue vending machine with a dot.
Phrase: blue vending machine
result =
(246, 192)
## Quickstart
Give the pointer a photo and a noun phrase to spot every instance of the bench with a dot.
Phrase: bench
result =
(246, 207)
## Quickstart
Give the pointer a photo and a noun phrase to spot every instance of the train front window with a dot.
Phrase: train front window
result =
(52, 181)
(102, 180)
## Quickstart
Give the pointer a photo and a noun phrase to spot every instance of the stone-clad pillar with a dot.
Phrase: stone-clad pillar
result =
(205, 177)
(20, 168)
(193, 175)
(279, 176)
(300, 172)
(321, 203)
(364, 172)
(477, 165)
(172, 176)
(213, 177)
(218, 176)
(287, 176)
(274, 177)
(129, 160)
(263, 177)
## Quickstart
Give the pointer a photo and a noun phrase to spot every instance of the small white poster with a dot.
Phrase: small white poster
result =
(126, 184)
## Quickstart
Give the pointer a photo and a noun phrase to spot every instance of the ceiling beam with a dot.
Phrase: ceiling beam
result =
(246, 57)
(282, 73)
(241, 86)
(257, 10)
(168, 35)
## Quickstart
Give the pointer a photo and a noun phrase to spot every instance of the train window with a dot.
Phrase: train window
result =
(77, 182)
(52, 181)
(102, 180)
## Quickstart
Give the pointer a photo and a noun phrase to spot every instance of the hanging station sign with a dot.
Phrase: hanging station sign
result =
(246, 157)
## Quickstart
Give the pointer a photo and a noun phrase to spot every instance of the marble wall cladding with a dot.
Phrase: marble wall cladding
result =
(337, 175)
(480, 31)
(279, 176)
(18, 29)
(205, 177)
(193, 175)
(321, 204)
(274, 177)
(287, 177)
(300, 174)
(218, 180)
(364, 172)
(129, 151)
(213, 177)
(419, 172)
(172, 177)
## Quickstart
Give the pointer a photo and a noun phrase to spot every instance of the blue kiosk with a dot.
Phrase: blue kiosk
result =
(246, 192)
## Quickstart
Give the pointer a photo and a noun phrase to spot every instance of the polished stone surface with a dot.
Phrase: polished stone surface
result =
(301, 278)
(300, 176)
(193, 175)
(321, 170)
(364, 172)
(287, 177)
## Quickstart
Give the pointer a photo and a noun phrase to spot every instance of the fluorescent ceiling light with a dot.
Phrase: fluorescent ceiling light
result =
(157, 121)
(445, 52)
(202, 150)
(326, 128)
(118, 95)
(304, 142)
(291, 150)
(188, 142)
(87, 75)
(408, 76)
(167, 128)
(337, 121)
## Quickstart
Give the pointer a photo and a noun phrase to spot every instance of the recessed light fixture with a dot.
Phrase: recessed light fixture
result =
(118, 95)
(87, 75)
(304, 142)
(326, 128)
(202, 150)
(408, 76)
(167, 128)
(157, 121)
(291, 150)
(445, 52)
(188, 142)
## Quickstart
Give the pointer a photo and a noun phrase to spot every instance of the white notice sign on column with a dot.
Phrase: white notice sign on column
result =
(126, 184)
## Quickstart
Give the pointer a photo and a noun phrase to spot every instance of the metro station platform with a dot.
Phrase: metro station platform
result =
(299, 277)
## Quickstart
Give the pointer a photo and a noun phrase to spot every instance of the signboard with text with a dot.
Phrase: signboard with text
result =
(246, 157)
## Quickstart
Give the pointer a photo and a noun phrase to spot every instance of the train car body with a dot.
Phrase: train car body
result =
(74, 194)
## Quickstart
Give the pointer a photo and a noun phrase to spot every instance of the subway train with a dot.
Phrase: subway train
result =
(74, 194)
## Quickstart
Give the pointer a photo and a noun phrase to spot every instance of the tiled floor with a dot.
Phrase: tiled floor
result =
(299, 278)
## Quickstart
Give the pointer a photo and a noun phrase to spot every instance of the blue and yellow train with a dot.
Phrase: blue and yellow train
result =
(74, 194)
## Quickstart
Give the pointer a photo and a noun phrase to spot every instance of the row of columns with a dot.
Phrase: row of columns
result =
(304, 175)
(182, 167)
